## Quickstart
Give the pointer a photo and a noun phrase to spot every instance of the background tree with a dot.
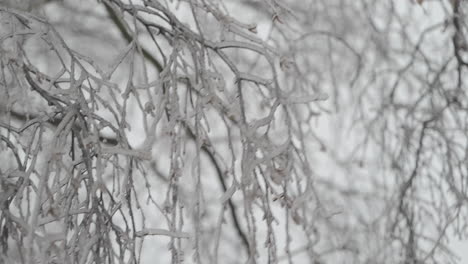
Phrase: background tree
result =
(210, 131)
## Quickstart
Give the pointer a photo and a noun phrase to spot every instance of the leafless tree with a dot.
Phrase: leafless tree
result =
(210, 131)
